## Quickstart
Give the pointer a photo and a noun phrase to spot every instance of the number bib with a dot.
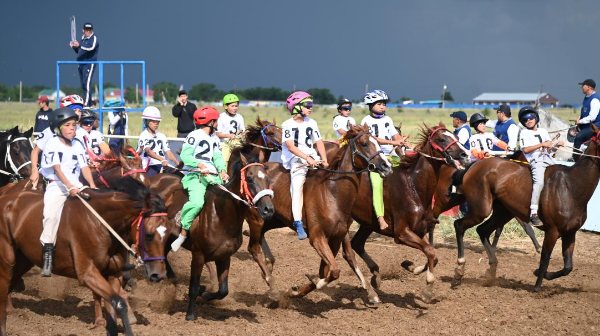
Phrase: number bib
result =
(530, 138)
(70, 158)
(205, 146)
(158, 144)
(303, 134)
(341, 122)
(230, 125)
(381, 128)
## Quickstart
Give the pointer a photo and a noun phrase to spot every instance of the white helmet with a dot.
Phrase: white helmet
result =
(151, 113)
(375, 96)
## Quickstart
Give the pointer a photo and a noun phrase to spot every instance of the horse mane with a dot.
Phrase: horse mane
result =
(138, 192)
(422, 138)
(253, 131)
(344, 141)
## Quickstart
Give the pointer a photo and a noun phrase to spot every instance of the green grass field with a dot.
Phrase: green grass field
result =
(23, 114)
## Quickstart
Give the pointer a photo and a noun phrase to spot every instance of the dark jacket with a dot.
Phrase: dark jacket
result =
(41, 120)
(185, 117)
(88, 48)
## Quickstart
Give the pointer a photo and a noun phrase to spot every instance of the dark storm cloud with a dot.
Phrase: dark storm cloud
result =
(408, 48)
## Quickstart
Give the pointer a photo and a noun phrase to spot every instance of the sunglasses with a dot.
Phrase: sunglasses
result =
(347, 108)
(307, 105)
(87, 122)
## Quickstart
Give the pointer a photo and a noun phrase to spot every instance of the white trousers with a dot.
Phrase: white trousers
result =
(54, 200)
(298, 176)
(538, 169)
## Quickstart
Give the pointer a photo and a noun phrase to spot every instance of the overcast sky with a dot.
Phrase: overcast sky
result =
(407, 48)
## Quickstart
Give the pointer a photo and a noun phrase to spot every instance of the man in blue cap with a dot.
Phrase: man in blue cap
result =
(462, 129)
(87, 50)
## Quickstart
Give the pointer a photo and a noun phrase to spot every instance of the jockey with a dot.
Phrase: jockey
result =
(300, 133)
(343, 119)
(92, 140)
(230, 125)
(383, 130)
(62, 162)
(200, 153)
(537, 147)
(481, 143)
(152, 144)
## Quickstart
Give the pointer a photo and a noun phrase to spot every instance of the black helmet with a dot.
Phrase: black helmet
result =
(87, 114)
(342, 102)
(526, 110)
(476, 118)
(59, 117)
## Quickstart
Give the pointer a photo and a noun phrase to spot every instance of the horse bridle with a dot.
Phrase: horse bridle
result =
(139, 241)
(268, 140)
(370, 166)
(245, 190)
(8, 159)
(448, 158)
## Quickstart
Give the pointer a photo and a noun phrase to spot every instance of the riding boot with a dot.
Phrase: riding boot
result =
(48, 258)
(535, 220)
(300, 230)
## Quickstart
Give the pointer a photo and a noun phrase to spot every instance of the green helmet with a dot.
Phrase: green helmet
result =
(230, 98)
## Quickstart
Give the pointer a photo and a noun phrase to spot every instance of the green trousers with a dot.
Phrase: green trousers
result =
(377, 184)
(196, 185)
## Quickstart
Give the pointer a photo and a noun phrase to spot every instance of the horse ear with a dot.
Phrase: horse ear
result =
(442, 124)
(595, 129)
(243, 159)
(399, 128)
(14, 131)
(274, 121)
(28, 133)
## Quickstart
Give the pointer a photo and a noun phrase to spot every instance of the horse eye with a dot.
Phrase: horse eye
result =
(364, 144)
(442, 140)
(149, 236)
(271, 133)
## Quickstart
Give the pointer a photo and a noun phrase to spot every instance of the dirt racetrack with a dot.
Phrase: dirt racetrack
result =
(569, 305)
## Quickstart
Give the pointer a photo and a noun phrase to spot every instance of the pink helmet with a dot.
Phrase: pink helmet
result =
(295, 98)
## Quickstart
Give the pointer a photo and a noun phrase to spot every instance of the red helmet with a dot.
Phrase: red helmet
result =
(205, 114)
(71, 100)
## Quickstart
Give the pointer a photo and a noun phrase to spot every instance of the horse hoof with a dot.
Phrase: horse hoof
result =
(408, 265)
(100, 323)
(537, 289)
(132, 318)
(131, 283)
(376, 280)
(536, 272)
(190, 317)
(459, 272)
(20, 287)
(293, 292)
(427, 294)
(374, 300)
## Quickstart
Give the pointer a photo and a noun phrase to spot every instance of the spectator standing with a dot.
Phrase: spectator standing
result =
(87, 50)
(590, 109)
(184, 112)
(41, 118)
(118, 126)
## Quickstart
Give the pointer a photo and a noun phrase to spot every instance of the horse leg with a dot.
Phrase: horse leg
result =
(269, 257)
(358, 245)
(254, 247)
(460, 226)
(497, 235)
(531, 233)
(22, 266)
(550, 239)
(409, 238)
(350, 258)
(99, 320)
(568, 245)
(116, 284)
(328, 270)
(223, 274)
(212, 276)
(496, 222)
(99, 285)
(7, 260)
(194, 288)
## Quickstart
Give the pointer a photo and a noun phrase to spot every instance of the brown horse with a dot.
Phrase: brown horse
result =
(563, 205)
(265, 137)
(15, 155)
(113, 167)
(87, 252)
(216, 234)
(328, 200)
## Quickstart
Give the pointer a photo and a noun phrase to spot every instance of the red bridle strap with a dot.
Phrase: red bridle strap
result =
(244, 190)
(436, 146)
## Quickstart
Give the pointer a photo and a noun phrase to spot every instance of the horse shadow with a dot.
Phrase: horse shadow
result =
(476, 247)
(61, 308)
(511, 284)
(209, 311)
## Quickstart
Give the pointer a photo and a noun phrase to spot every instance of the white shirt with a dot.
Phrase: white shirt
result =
(230, 125)
(463, 135)
(70, 158)
(158, 144)
(381, 128)
(594, 108)
(512, 132)
(42, 139)
(530, 138)
(341, 122)
(92, 141)
(483, 142)
(205, 147)
(113, 119)
(304, 134)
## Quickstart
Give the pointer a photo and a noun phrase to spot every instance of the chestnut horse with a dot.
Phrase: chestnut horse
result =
(15, 155)
(113, 167)
(503, 188)
(86, 252)
(216, 234)
(328, 201)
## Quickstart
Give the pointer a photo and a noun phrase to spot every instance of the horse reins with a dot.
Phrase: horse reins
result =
(8, 159)
(139, 242)
(245, 191)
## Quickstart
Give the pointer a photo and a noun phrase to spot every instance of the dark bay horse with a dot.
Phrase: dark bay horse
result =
(15, 155)
(265, 137)
(328, 201)
(503, 188)
(85, 250)
(113, 167)
(216, 234)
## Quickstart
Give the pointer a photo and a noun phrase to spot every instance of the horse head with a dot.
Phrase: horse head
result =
(367, 150)
(255, 186)
(594, 145)
(131, 165)
(17, 159)
(443, 144)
